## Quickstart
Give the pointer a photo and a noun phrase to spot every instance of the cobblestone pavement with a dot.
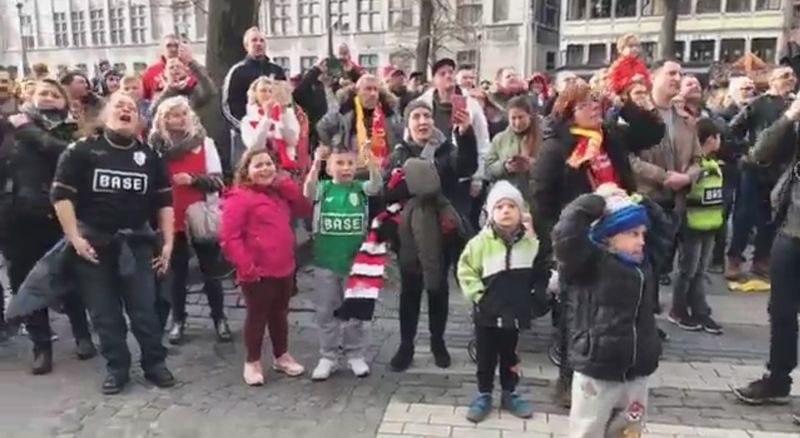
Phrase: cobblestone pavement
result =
(690, 394)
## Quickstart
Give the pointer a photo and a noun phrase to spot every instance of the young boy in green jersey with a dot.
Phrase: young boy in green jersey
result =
(339, 226)
(704, 217)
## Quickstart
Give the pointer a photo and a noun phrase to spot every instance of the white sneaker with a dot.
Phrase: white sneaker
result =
(324, 369)
(359, 367)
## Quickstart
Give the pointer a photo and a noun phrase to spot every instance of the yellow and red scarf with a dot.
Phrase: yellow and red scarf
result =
(377, 143)
(279, 145)
(589, 150)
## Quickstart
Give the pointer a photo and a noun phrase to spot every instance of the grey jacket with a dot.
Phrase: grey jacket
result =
(777, 146)
(337, 128)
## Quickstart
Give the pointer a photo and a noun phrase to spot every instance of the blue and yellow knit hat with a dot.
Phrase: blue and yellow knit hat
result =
(623, 212)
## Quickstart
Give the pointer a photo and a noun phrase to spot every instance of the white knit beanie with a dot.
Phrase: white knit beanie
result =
(504, 190)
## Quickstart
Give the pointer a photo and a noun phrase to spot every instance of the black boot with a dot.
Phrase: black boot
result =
(114, 384)
(403, 358)
(440, 354)
(176, 334)
(85, 349)
(222, 329)
(42, 360)
(160, 376)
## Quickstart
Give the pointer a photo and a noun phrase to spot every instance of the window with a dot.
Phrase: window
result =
(467, 57)
(764, 48)
(738, 6)
(182, 16)
(550, 61)
(369, 62)
(284, 62)
(599, 8)
(97, 24)
(60, 29)
(762, 5)
(139, 67)
(652, 8)
(684, 7)
(78, 28)
(80, 67)
(28, 39)
(404, 60)
(576, 9)
(400, 14)
(731, 50)
(340, 19)
(120, 68)
(574, 54)
(625, 8)
(680, 49)
(117, 25)
(138, 24)
(469, 11)
(709, 6)
(549, 16)
(597, 54)
(306, 62)
(368, 15)
(309, 19)
(649, 51)
(279, 15)
(702, 50)
(500, 11)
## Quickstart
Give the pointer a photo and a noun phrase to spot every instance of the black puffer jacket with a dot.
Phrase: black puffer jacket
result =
(611, 305)
(751, 121)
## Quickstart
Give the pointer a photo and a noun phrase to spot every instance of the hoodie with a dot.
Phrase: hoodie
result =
(237, 82)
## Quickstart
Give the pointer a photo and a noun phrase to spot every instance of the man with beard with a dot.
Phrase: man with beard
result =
(396, 82)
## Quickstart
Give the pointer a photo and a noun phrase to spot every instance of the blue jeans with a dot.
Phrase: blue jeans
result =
(752, 210)
(694, 256)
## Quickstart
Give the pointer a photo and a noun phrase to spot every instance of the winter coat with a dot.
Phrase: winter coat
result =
(257, 235)
(505, 146)
(153, 79)
(238, 81)
(337, 128)
(762, 113)
(478, 125)
(611, 304)
(310, 94)
(496, 275)
(199, 90)
(681, 154)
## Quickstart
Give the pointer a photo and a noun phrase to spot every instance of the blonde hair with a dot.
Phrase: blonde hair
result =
(168, 105)
(135, 77)
(252, 96)
(248, 32)
(735, 90)
(626, 40)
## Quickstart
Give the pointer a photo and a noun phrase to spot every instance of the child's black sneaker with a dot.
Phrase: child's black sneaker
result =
(480, 408)
(766, 390)
(710, 326)
(684, 321)
(516, 405)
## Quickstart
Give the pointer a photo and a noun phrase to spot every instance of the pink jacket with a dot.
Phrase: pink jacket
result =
(257, 235)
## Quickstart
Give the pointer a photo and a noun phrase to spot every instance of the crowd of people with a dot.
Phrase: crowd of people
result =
(591, 188)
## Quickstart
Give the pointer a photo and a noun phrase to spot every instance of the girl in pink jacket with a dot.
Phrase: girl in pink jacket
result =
(257, 237)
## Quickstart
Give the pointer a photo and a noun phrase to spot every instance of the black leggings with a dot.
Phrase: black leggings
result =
(496, 344)
(411, 288)
(208, 255)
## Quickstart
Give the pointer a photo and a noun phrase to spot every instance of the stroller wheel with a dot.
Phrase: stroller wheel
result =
(554, 354)
(472, 351)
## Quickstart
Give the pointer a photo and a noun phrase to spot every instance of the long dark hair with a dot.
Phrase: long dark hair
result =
(533, 133)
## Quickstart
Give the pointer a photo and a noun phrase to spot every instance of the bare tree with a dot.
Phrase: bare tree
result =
(424, 34)
(666, 39)
(440, 28)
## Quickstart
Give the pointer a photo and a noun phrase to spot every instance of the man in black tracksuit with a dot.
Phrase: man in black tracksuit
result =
(106, 189)
(237, 82)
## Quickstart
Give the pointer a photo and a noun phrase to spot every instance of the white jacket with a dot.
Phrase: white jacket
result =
(479, 126)
(289, 129)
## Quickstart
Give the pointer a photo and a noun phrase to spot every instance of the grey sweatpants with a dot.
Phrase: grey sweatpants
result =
(335, 334)
(606, 409)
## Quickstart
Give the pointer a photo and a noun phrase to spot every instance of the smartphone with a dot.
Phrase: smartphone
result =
(335, 68)
(459, 104)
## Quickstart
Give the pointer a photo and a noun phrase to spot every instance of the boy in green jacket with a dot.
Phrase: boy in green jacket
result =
(495, 272)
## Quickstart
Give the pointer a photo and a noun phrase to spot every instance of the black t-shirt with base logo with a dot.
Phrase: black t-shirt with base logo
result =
(112, 187)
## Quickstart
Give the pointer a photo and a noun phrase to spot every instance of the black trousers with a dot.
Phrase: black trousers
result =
(411, 288)
(784, 303)
(208, 254)
(495, 344)
(107, 293)
(31, 240)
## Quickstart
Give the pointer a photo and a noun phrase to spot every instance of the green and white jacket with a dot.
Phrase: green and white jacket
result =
(496, 274)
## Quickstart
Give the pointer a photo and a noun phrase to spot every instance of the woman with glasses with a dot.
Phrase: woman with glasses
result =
(580, 153)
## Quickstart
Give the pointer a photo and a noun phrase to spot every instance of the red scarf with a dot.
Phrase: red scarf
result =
(276, 136)
(303, 153)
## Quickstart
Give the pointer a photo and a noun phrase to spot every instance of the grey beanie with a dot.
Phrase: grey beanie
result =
(416, 104)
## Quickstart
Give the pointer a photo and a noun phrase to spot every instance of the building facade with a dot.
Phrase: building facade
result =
(79, 33)
(707, 30)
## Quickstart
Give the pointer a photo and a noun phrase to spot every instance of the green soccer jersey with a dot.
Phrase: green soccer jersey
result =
(340, 224)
